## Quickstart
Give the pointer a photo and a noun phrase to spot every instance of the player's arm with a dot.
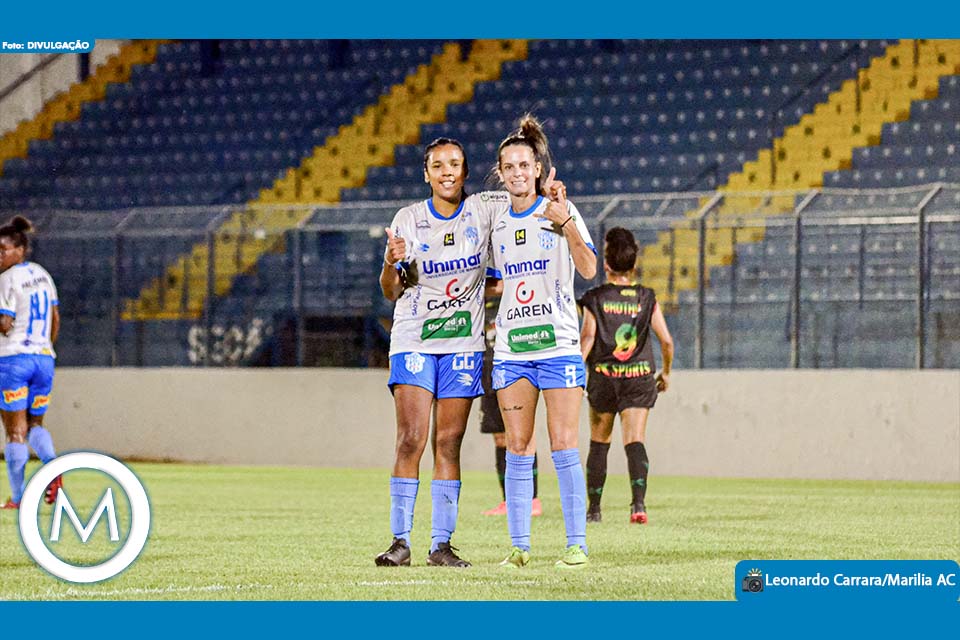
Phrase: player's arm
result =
(390, 282)
(584, 258)
(659, 325)
(588, 333)
(6, 323)
(55, 324)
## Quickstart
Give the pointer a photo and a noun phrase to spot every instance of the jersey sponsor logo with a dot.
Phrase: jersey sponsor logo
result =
(524, 294)
(547, 238)
(423, 224)
(520, 236)
(13, 395)
(472, 235)
(634, 370)
(527, 267)
(530, 311)
(459, 325)
(455, 297)
(448, 240)
(414, 362)
(628, 293)
(500, 226)
(621, 308)
(528, 339)
(40, 402)
(440, 267)
(493, 196)
(626, 339)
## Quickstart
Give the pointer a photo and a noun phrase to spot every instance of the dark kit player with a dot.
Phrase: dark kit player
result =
(617, 319)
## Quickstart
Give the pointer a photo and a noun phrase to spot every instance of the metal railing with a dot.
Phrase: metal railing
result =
(310, 289)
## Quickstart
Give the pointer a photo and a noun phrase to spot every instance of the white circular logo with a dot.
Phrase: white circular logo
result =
(30, 506)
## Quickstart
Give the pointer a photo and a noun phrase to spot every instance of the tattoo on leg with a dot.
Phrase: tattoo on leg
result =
(513, 408)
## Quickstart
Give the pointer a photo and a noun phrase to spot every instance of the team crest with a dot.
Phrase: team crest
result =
(548, 239)
(414, 362)
(448, 239)
(472, 235)
(520, 236)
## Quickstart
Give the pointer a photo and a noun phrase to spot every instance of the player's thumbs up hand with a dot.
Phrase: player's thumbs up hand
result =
(396, 248)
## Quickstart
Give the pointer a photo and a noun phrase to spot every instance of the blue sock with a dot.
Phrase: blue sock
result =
(445, 495)
(17, 455)
(403, 496)
(573, 495)
(518, 483)
(39, 438)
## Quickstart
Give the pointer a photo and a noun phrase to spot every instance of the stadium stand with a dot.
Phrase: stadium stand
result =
(261, 129)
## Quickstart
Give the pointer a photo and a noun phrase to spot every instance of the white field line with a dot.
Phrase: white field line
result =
(83, 594)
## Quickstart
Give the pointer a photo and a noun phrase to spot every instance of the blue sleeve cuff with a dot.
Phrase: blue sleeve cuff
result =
(493, 273)
(55, 303)
(7, 312)
(592, 248)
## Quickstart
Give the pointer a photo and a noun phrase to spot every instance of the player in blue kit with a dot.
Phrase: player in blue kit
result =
(536, 245)
(434, 268)
(29, 323)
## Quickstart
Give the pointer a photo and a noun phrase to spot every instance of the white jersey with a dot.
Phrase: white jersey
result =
(27, 293)
(441, 310)
(538, 312)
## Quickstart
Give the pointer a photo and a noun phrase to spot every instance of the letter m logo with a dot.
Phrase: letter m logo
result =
(84, 531)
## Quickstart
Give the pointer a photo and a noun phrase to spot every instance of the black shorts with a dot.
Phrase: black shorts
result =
(613, 395)
(491, 420)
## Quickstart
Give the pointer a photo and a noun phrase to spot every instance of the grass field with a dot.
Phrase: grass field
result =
(227, 533)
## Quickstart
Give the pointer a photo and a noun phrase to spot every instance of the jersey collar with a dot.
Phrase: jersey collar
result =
(524, 214)
(440, 217)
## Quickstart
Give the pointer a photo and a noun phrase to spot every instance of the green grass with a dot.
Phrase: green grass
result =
(228, 533)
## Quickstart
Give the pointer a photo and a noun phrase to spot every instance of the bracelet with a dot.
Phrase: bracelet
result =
(566, 221)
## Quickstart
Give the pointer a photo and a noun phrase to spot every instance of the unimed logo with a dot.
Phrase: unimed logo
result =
(33, 539)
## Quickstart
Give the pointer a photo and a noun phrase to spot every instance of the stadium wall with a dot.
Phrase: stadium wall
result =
(837, 424)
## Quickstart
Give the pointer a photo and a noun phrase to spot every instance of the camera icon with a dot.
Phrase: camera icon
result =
(753, 581)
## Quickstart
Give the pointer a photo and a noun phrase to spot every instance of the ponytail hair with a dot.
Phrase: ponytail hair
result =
(620, 250)
(530, 134)
(17, 229)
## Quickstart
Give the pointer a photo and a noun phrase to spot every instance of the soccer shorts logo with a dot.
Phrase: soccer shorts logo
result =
(414, 362)
(465, 379)
(499, 378)
(14, 394)
(40, 402)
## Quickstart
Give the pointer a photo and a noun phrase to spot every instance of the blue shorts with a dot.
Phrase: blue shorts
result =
(26, 381)
(562, 372)
(446, 375)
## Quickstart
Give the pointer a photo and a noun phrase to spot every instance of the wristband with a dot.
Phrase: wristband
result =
(566, 221)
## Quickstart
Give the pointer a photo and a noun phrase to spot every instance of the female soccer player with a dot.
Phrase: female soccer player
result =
(29, 322)
(617, 318)
(491, 420)
(536, 245)
(435, 267)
